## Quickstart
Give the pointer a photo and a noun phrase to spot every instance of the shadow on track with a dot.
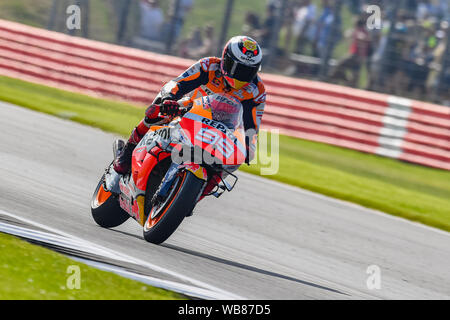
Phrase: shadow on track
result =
(140, 237)
(234, 264)
(247, 267)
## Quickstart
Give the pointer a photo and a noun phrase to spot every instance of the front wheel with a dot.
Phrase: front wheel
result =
(180, 203)
(105, 208)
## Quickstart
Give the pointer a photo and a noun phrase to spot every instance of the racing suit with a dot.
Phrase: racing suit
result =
(201, 79)
(204, 78)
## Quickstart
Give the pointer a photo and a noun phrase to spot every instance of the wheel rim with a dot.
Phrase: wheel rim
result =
(165, 205)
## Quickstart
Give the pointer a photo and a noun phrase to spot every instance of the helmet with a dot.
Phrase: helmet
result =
(241, 60)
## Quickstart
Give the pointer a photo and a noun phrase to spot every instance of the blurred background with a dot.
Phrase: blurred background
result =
(405, 52)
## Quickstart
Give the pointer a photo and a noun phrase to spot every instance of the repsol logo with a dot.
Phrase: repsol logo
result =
(218, 126)
(215, 124)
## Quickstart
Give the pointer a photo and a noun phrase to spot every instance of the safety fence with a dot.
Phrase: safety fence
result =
(375, 123)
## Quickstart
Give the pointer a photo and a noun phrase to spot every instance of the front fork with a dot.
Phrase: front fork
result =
(171, 174)
(166, 183)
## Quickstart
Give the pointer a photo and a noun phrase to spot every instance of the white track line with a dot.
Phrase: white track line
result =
(63, 242)
(155, 282)
(106, 252)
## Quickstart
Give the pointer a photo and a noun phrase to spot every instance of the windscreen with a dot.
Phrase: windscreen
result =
(225, 109)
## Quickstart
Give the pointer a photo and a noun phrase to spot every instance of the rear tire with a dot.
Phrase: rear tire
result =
(181, 204)
(105, 208)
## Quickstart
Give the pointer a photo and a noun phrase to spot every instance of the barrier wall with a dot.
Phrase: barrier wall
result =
(376, 123)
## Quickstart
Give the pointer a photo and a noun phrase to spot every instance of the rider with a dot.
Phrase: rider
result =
(235, 74)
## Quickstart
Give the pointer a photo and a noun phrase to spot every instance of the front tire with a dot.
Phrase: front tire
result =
(105, 208)
(181, 202)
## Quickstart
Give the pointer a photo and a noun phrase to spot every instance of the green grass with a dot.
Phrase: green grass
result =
(411, 191)
(108, 115)
(30, 272)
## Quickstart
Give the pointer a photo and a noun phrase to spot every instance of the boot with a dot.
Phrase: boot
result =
(122, 164)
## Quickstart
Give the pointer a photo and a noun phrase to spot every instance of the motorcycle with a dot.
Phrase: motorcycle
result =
(171, 167)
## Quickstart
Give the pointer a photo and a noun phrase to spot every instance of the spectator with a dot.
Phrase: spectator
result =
(194, 41)
(438, 56)
(393, 71)
(207, 48)
(411, 6)
(325, 24)
(152, 19)
(274, 3)
(359, 53)
(268, 26)
(418, 68)
(432, 8)
(252, 26)
(444, 87)
(304, 17)
(354, 6)
(379, 39)
(178, 16)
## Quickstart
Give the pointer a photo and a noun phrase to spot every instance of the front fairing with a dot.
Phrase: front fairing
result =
(219, 144)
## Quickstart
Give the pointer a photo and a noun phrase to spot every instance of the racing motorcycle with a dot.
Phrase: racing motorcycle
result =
(171, 167)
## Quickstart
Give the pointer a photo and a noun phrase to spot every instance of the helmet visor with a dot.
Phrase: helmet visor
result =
(239, 71)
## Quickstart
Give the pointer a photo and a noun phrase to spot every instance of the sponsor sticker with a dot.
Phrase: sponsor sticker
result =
(205, 64)
(261, 98)
(215, 82)
(250, 45)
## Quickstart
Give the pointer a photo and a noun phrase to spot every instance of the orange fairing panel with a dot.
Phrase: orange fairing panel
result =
(198, 109)
(155, 128)
(102, 196)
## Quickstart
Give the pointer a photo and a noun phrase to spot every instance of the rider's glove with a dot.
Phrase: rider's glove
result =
(169, 108)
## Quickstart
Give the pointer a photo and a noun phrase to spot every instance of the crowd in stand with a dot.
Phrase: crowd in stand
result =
(404, 54)
(401, 52)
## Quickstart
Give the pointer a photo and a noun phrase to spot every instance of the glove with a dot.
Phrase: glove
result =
(169, 108)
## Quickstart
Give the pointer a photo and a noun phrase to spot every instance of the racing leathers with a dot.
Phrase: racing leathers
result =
(201, 79)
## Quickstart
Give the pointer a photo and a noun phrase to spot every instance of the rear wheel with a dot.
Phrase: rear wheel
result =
(169, 214)
(105, 208)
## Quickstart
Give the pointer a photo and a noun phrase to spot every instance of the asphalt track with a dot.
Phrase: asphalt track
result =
(265, 240)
